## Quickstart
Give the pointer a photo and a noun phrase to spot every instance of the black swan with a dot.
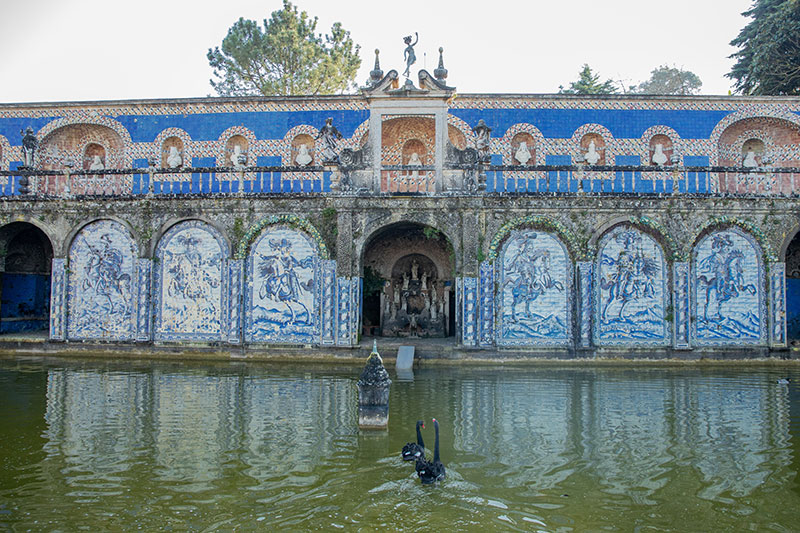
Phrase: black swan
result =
(415, 450)
(430, 472)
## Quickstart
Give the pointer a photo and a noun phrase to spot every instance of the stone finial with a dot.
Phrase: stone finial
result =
(440, 73)
(376, 74)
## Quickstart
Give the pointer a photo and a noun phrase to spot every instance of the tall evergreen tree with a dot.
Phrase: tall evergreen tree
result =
(768, 59)
(589, 83)
(286, 57)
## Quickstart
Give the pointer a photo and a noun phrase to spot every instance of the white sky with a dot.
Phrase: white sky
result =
(75, 50)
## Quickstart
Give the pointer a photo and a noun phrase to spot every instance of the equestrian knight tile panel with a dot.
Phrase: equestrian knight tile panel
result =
(190, 294)
(102, 283)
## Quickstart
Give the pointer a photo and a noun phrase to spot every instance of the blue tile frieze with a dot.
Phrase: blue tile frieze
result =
(630, 290)
(347, 310)
(469, 310)
(190, 293)
(486, 320)
(728, 302)
(57, 307)
(102, 292)
(534, 291)
(282, 291)
(327, 311)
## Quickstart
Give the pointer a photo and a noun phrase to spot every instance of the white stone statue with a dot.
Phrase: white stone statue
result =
(405, 280)
(424, 279)
(97, 163)
(415, 161)
(237, 157)
(434, 307)
(750, 160)
(523, 155)
(414, 270)
(659, 157)
(303, 157)
(592, 157)
(404, 304)
(174, 159)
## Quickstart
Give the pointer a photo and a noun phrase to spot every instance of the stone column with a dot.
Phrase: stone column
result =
(345, 249)
(777, 305)
(583, 299)
(235, 277)
(440, 119)
(327, 308)
(58, 307)
(347, 300)
(681, 306)
(144, 313)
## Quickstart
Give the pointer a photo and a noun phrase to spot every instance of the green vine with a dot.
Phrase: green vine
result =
(565, 234)
(749, 227)
(292, 221)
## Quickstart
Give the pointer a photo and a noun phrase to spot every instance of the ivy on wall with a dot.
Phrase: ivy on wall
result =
(292, 221)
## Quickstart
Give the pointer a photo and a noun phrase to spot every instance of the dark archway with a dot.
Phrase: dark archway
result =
(793, 289)
(25, 284)
(408, 282)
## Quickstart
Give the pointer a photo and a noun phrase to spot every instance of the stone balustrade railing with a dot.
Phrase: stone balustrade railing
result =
(404, 179)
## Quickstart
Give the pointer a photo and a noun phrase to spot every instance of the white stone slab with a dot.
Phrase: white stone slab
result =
(405, 358)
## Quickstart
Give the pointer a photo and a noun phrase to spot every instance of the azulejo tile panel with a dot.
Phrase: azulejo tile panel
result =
(630, 290)
(190, 293)
(469, 310)
(584, 271)
(535, 282)
(282, 288)
(728, 290)
(102, 283)
(486, 321)
(235, 274)
(681, 305)
(777, 298)
(57, 290)
(145, 314)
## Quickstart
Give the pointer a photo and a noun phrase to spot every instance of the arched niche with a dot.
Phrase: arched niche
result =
(535, 280)
(282, 295)
(456, 137)
(302, 150)
(792, 259)
(73, 144)
(172, 152)
(593, 143)
(752, 153)
(728, 297)
(25, 268)
(237, 145)
(94, 155)
(411, 147)
(779, 137)
(190, 295)
(102, 283)
(631, 297)
(660, 150)
(523, 149)
(397, 131)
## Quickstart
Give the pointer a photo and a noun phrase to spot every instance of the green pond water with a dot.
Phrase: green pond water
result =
(116, 446)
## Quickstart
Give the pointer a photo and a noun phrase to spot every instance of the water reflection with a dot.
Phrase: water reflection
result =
(568, 448)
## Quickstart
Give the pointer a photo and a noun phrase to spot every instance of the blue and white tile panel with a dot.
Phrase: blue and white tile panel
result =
(57, 304)
(469, 310)
(347, 306)
(327, 310)
(486, 305)
(236, 275)
(777, 304)
(584, 270)
(144, 312)
(681, 298)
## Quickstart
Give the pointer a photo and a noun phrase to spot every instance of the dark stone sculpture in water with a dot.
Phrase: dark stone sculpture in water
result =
(373, 393)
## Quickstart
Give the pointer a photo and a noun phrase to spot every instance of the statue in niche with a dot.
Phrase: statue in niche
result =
(405, 281)
(427, 302)
(238, 159)
(29, 144)
(97, 163)
(387, 296)
(750, 160)
(434, 307)
(396, 301)
(329, 135)
(659, 157)
(174, 159)
(404, 302)
(523, 155)
(412, 325)
(414, 270)
(424, 280)
(408, 54)
(414, 161)
(592, 156)
(482, 144)
(303, 157)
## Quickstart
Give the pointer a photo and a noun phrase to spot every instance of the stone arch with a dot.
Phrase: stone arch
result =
(463, 128)
(644, 224)
(729, 129)
(190, 295)
(539, 222)
(790, 255)
(170, 223)
(534, 290)
(294, 221)
(282, 297)
(99, 120)
(70, 140)
(59, 247)
(748, 228)
(73, 233)
(102, 282)
(584, 134)
(359, 138)
(396, 130)
(25, 277)
(415, 263)
(509, 146)
(631, 293)
(728, 289)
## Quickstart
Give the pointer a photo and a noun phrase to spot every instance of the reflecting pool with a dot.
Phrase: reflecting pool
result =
(102, 445)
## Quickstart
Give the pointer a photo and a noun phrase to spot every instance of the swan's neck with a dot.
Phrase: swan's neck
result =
(436, 442)
(419, 437)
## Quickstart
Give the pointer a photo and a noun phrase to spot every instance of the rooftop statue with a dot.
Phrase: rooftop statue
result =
(408, 54)
(29, 144)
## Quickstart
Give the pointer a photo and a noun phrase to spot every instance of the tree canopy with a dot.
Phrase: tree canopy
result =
(286, 57)
(768, 59)
(589, 83)
(669, 80)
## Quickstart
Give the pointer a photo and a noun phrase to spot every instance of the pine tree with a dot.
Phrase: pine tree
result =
(589, 83)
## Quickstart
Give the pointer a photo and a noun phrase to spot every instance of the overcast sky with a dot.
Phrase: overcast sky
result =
(76, 50)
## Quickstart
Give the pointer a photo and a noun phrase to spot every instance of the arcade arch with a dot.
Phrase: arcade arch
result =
(409, 287)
